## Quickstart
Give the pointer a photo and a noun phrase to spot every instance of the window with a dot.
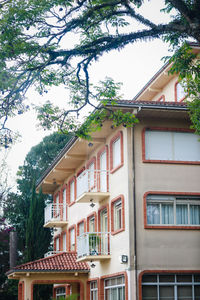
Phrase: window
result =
(171, 286)
(57, 208)
(60, 292)
(173, 210)
(72, 239)
(82, 182)
(64, 195)
(117, 215)
(72, 191)
(114, 288)
(166, 145)
(116, 149)
(180, 93)
(91, 176)
(81, 228)
(92, 224)
(64, 242)
(93, 290)
(57, 244)
(161, 99)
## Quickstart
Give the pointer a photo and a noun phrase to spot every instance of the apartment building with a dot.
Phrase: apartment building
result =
(126, 209)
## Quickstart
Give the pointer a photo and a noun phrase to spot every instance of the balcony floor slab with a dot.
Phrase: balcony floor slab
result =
(93, 196)
(93, 258)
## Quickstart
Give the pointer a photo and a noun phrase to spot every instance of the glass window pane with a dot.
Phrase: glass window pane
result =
(197, 277)
(181, 214)
(116, 153)
(166, 293)
(149, 293)
(184, 278)
(167, 214)
(194, 214)
(113, 294)
(153, 214)
(184, 292)
(197, 292)
(167, 278)
(149, 278)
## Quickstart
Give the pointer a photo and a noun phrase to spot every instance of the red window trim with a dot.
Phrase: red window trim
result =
(160, 98)
(99, 216)
(104, 148)
(165, 161)
(88, 287)
(93, 214)
(113, 201)
(162, 272)
(21, 290)
(102, 278)
(182, 227)
(175, 93)
(57, 287)
(81, 221)
(69, 186)
(69, 231)
(115, 137)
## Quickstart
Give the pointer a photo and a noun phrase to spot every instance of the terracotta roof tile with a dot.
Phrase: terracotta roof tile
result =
(155, 103)
(59, 262)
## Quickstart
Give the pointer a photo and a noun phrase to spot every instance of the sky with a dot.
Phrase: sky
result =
(133, 66)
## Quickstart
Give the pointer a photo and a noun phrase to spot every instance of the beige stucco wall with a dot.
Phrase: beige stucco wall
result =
(164, 249)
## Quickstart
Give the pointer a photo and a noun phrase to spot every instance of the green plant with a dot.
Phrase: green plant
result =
(94, 242)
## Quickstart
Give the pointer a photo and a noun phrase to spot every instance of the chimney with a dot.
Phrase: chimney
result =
(13, 249)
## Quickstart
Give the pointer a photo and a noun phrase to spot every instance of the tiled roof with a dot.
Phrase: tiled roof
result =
(152, 103)
(59, 262)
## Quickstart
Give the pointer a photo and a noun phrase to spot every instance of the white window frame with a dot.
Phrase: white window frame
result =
(65, 242)
(92, 224)
(57, 244)
(93, 290)
(117, 214)
(72, 191)
(180, 92)
(116, 148)
(115, 287)
(175, 201)
(81, 226)
(60, 292)
(176, 283)
(64, 196)
(72, 239)
(171, 145)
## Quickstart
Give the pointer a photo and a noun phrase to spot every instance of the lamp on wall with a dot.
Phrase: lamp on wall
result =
(92, 203)
(92, 264)
(90, 144)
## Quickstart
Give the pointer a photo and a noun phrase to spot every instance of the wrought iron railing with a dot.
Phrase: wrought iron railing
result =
(92, 181)
(93, 243)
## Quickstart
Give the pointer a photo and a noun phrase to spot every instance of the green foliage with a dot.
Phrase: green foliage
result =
(45, 43)
(186, 63)
(70, 297)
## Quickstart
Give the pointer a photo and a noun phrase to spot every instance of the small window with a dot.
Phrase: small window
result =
(93, 290)
(91, 176)
(180, 93)
(81, 228)
(166, 145)
(117, 215)
(72, 191)
(116, 146)
(60, 292)
(92, 224)
(64, 242)
(72, 239)
(64, 195)
(57, 244)
(172, 210)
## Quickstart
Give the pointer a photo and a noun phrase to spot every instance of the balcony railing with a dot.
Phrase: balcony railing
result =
(92, 184)
(93, 246)
(55, 215)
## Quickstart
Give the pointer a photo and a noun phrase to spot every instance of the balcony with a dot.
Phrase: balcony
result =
(55, 215)
(93, 246)
(92, 186)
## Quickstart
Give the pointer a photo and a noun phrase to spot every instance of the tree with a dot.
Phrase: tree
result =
(18, 207)
(36, 50)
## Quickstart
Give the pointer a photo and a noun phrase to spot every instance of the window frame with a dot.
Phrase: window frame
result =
(170, 194)
(93, 289)
(114, 230)
(165, 161)
(82, 221)
(92, 216)
(175, 283)
(73, 179)
(176, 94)
(113, 168)
(161, 98)
(73, 227)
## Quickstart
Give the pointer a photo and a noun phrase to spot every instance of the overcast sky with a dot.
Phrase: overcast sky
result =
(133, 66)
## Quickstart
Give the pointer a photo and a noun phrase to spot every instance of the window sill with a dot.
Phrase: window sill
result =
(117, 231)
(181, 227)
(171, 162)
(116, 168)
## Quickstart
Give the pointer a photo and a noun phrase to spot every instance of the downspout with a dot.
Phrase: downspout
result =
(134, 217)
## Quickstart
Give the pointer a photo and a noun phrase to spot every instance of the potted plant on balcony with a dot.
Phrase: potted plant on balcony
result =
(94, 243)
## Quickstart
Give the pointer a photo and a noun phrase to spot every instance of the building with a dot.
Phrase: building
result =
(126, 210)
